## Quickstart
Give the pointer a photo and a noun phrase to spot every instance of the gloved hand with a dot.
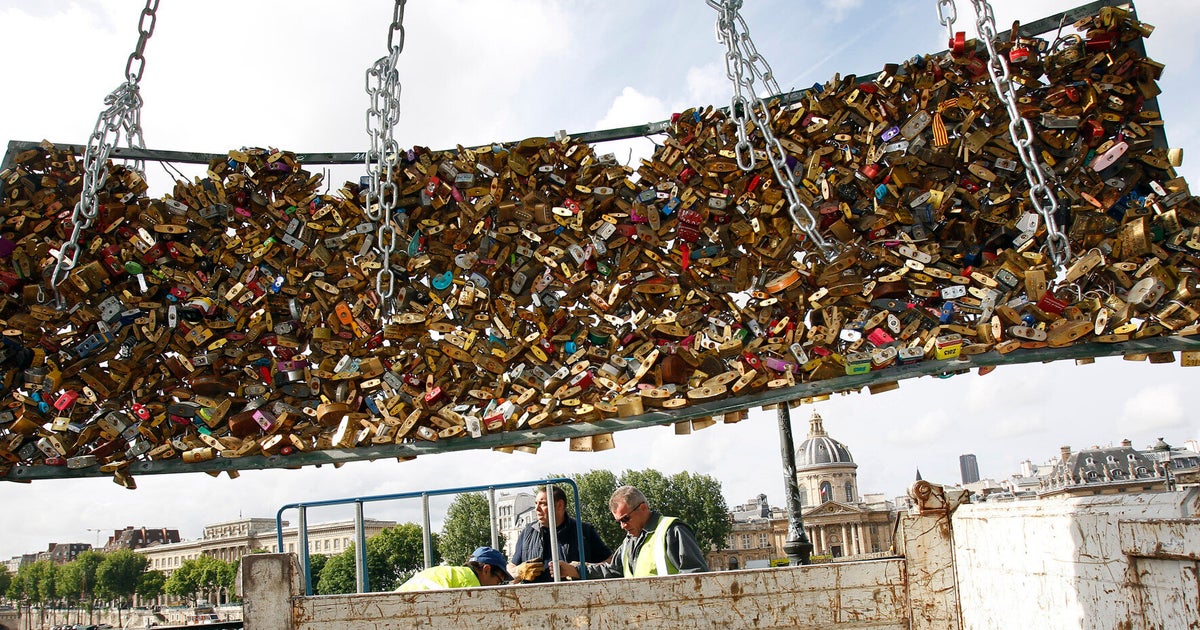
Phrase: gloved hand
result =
(528, 571)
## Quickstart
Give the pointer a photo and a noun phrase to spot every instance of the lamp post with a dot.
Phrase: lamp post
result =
(797, 547)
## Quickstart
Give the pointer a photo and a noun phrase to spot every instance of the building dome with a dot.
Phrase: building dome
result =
(820, 450)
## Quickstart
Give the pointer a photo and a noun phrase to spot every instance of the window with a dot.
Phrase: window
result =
(826, 492)
(337, 544)
(762, 540)
(291, 547)
(745, 541)
(326, 544)
(849, 492)
(729, 541)
(803, 496)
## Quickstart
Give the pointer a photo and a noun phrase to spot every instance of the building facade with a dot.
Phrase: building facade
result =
(138, 537)
(756, 540)
(1114, 470)
(62, 553)
(968, 467)
(231, 540)
(838, 520)
(513, 513)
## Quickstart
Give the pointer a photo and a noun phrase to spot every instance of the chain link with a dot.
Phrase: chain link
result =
(947, 14)
(122, 115)
(383, 195)
(745, 68)
(1040, 194)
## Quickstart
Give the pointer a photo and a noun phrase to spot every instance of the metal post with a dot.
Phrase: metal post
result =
(360, 549)
(426, 537)
(797, 547)
(553, 533)
(492, 518)
(302, 542)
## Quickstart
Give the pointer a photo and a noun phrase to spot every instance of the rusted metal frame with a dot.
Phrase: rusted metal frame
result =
(611, 425)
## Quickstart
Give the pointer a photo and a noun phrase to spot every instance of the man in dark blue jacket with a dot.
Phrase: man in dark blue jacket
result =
(531, 560)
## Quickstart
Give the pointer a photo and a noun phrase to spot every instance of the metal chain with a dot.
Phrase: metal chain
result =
(947, 14)
(1040, 194)
(122, 114)
(383, 195)
(745, 67)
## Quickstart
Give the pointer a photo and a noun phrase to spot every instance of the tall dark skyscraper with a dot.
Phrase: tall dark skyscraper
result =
(969, 467)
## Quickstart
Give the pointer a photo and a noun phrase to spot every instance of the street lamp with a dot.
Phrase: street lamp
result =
(90, 529)
(797, 547)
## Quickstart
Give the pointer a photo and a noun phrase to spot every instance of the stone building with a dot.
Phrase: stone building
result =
(1104, 470)
(839, 521)
(231, 540)
(62, 553)
(138, 537)
(513, 512)
(757, 537)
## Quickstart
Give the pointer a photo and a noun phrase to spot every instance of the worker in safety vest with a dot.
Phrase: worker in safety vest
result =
(485, 568)
(654, 545)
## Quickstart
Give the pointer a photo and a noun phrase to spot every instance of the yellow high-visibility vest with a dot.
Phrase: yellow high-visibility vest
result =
(436, 578)
(652, 560)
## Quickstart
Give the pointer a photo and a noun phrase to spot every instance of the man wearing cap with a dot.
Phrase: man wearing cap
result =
(654, 544)
(531, 560)
(485, 568)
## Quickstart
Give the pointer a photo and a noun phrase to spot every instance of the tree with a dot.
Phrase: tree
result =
(400, 552)
(467, 526)
(88, 562)
(204, 574)
(150, 584)
(316, 563)
(5, 579)
(67, 583)
(393, 556)
(595, 488)
(117, 576)
(34, 584)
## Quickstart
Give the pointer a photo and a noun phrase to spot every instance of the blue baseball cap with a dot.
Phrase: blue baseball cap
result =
(493, 558)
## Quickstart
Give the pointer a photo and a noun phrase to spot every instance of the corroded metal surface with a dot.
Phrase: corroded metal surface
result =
(859, 595)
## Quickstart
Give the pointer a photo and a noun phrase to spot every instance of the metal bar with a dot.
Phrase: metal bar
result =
(491, 495)
(424, 495)
(1036, 27)
(611, 425)
(797, 546)
(360, 550)
(553, 518)
(579, 533)
(426, 536)
(302, 542)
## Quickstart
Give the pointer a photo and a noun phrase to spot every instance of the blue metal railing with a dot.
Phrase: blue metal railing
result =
(360, 546)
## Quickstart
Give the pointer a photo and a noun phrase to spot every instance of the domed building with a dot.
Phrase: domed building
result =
(839, 521)
(824, 467)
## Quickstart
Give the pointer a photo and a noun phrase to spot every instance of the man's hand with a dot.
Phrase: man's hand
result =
(568, 569)
(528, 571)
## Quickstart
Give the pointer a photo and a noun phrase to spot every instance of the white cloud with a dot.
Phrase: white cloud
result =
(707, 85)
(840, 8)
(926, 427)
(1012, 425)
(1154, 407)
(633, 108)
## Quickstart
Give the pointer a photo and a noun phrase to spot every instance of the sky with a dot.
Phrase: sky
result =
(221, 75)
